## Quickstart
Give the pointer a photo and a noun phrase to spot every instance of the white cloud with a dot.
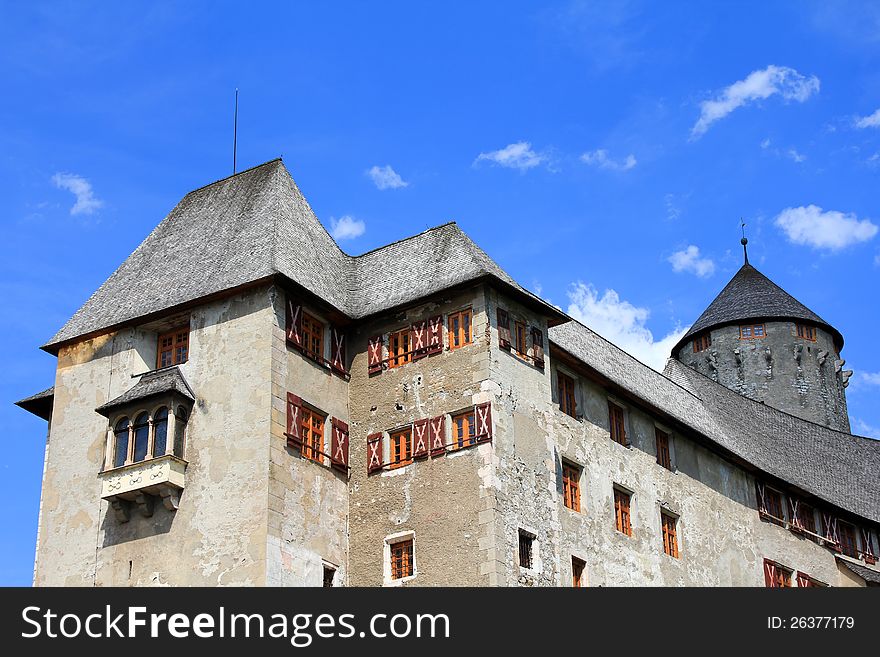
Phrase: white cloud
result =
(794, 155)
(386, 177)
(759, 85)
(830, 230)
(689, 260)
(766, 143)
(869, 378)
(622, 323)
(513, 156)
(346, 228)
(870, 121)
(600, 159)
(86, 202)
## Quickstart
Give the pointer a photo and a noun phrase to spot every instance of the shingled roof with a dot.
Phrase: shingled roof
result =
(257, 224)
(168, 380)
(836, 467)
(751, 296)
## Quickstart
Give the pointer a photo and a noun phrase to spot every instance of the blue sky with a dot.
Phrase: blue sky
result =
(602, 153)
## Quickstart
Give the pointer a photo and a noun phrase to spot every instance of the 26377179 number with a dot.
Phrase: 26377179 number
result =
(811, 623)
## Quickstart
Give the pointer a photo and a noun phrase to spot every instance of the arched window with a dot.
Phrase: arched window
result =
(160, 431)
(121, 441)
(141, 437)
(179, 428)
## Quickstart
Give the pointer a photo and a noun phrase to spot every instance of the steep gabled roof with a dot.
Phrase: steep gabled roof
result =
(257, 224)
(751, 296)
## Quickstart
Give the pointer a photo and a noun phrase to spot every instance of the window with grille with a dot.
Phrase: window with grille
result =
(668, 525)
(847, 537)
(571, 490)
(173, 347)
(526, 549)
(616, 423)
(806, 332)
(750, 331)
(401, 448)
(460, 329)
(313, 335)
(402, 559)
(577, 572)
(312, 433)
(464, 428)
(621, 512)
(663, 456)
(567, 403)
(399, 348)
(702, 342)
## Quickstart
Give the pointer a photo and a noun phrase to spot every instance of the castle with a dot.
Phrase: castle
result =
(242, 403)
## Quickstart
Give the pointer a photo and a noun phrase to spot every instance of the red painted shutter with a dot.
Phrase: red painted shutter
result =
(483, 417)
(420, 438)
(759, 491)
(339, 445)
(538, 347)
(503, 329)
(438, 435)
(374, 452)
(868, 546)
(829, 524)
(769, 574)
(419, 339)
(435, 335)
(294, 323)
(794, 514)
(803, 580)
(294, 417)
(374, 354)
(337, 350)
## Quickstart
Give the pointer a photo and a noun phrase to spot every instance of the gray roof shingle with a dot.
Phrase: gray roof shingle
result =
(39, 404)
(151, 384)
(751, 295)
(868, 574)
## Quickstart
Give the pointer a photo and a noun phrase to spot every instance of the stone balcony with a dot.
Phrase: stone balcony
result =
(142, 483)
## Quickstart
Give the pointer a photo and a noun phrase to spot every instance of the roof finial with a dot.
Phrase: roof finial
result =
(744, 241)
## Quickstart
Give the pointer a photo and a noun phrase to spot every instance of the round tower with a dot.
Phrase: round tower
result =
(761, 342)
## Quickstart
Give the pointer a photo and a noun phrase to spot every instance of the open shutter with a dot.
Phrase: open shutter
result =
(374, 452)
(483, 417)
(762, 504)
(803, 580)
(294, 323)
(420, 438)
(794, 514)
(829, 526)
(294, 417)
(418, 339)
(538, 347)
(438, 435)
(868, 546)
(374, 354)
(769, 574)
(337, 350)
(435, 335)
(339, 446)
(503, 329)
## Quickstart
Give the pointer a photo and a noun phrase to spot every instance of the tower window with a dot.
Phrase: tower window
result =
(398, 348)
(526, 548)
(702, 342)
(313, 335)
(571, 488)
(806, 332)
(402, 559)
(751, 331)
(520, 330)
(464, 428)
(847, 534)
(621, 512)
(577, 572)
(460, 329)
(776, 576)
(617, 426)
(173, 347)
(312, 432)
(663, 456)
(567, 403)
(668, 524)
(401, 448)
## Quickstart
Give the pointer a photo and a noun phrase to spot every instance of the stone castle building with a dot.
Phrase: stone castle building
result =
(242, 403)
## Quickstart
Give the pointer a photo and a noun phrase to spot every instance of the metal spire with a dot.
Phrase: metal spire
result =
(744, 241)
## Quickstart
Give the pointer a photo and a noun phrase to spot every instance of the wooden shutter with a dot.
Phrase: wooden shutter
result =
(294, 418)
(374, 452)
(483, 417)
(794, 514)
(435, 335)
(418, 339)
(374, 354)
(868, 546)
(503, 329)
(803, 580)
(829, 525)
(769, 574)
(294, 323)
(420, 438)
(438, 435)
(762, 504)
(339, 445)
(538, 347)
(337, 350)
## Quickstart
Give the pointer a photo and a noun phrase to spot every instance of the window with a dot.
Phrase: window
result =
(802, 515)
(402, 559)
(329, 576)
(526, 545)
(160, 431)
(571, 488)
(663, 456)
(180, 430)
(147, 437)
(313, 336)
(312, 434)
(121, 443)
(804, 581)
(847, 537)
(464, 428)
(398, 348)
(141, 437)
(401, 448)
(773, 505)
(173, 347)
(806, 332)
(577, 572)
(621, 512)
(567, 403)
(749, 331)
(616, 423)
(702, 342)
(459, 329)
(670, 539)
(520, 337)
(776, 576)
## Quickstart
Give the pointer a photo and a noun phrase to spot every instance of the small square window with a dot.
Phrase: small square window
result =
(526, 549)
(702, 342)
(806, 332)
(173, 347)
(402, 559)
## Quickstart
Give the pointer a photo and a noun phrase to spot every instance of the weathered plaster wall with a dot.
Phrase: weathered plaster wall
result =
(221, 521)
(794, 375)
(442, 500)
(308, 502)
